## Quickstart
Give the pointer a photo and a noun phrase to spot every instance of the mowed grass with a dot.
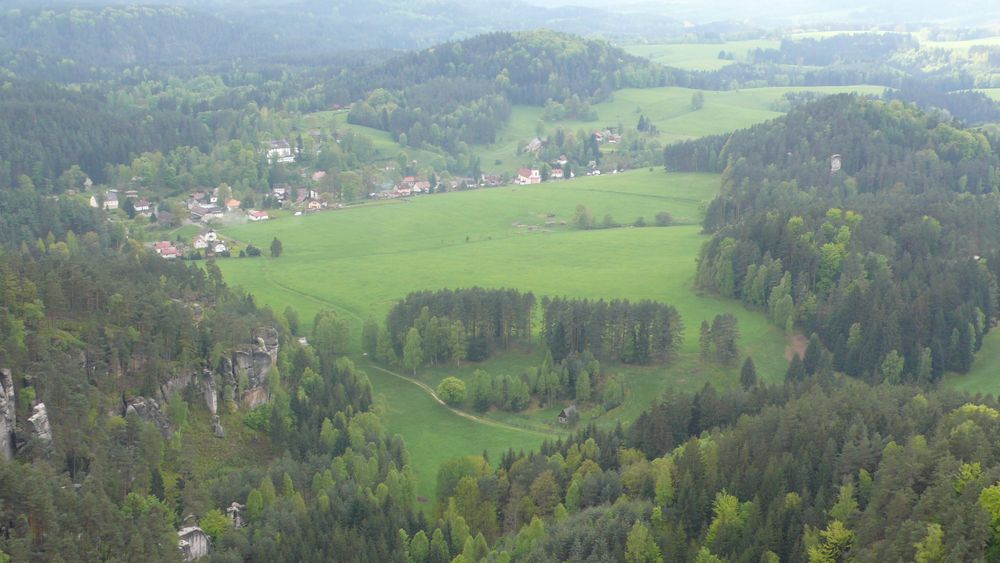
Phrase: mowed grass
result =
(668, 108)
(699, 56)
(361, 260)
(984, 377)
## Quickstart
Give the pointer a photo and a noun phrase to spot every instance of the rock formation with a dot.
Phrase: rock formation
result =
(149, 410)
(217, 427)
(8, 410)
(38, 426)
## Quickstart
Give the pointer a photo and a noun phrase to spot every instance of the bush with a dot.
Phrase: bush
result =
(664, 219)
(451, 390)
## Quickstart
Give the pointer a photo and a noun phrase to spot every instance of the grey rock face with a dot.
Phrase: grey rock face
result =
(149, 410)
(8, 410)
(38, 425)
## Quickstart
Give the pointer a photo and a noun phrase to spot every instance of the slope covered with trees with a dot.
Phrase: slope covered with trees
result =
(463, 91)
(865, 222)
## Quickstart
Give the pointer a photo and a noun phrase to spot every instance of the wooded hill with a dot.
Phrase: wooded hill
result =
(45, 130)
(890, 259)
(463, 91)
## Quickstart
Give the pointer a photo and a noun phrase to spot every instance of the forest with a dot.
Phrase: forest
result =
(863, 222)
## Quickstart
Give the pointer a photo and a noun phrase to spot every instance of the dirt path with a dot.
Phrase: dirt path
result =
(427, 389)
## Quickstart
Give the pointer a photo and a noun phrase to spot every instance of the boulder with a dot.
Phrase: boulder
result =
(149, 410)
(8, 410)
(217, 427)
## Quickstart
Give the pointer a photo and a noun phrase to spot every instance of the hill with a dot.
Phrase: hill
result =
(863, 222)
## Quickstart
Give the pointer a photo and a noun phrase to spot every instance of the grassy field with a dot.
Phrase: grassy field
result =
(359, 261)
(668, 108)
(984, 377)
(992, 93)
(699, 56)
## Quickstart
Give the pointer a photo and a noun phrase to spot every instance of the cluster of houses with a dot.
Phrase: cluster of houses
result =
(111, 201)
(205, 206)
(207, 242)
(307, 199)
(607, 136)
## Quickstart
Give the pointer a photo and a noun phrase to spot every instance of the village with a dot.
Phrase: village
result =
(210, 208)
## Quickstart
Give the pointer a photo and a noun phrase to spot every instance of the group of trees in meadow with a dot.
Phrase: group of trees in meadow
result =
(451, 325)
(889, 256)
(621, 331)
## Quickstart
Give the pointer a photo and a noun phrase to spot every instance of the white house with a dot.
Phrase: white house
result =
(528, 176)
(199, 243)
(219, 247)
(280, 151)
(111, 200)
(258, 216)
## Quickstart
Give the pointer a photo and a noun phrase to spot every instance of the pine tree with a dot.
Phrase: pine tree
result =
(748, 374)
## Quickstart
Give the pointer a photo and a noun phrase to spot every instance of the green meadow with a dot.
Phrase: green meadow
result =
(984, 377)
(360, 260)
(700, 56)
(668, 108)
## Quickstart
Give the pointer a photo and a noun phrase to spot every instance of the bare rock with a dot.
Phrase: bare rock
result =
(38, 426)
(8, 410)
(217, 427)
(211, 393)
(149, 410)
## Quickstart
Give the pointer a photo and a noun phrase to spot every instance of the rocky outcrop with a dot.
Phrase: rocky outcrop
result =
(149, 410)
(211, 393)
(8, 409)
(235, 514)
(251, 367)
(193, 543)
(265, 340)
(176, 384)
(217, 427)
(38, 427)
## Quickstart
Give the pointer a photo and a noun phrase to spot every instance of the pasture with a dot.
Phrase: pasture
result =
(700, 56)
(360, 260)
(668, 108)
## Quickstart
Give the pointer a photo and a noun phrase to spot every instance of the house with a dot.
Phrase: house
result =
(556, 174)
(206, 212)
(528, 176)
(142, 206)
(162, 245)
(318, 175)
(193, 543)
(492, 180)
(280, 151)
(281, 191)
(111, 200)
(568, 414)
(170, 253)
(132, 194)
(199, 242)
(562, 161)
(315, 205)
(232, 204)
(422, 187)
(219, 247)
(258, 216)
